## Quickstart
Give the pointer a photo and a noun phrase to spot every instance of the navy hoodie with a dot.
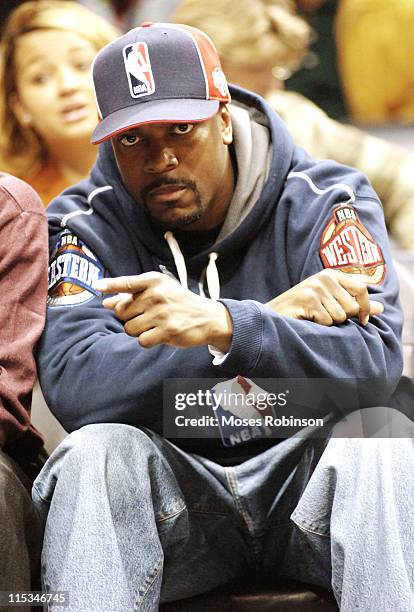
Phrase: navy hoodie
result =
(91, 371)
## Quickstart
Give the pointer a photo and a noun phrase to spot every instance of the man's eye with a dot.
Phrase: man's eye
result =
(128, 140)
(182, 128)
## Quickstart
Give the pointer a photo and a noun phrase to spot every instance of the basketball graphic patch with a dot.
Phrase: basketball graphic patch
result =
(347, 245)
(73, 271)
(138, 69)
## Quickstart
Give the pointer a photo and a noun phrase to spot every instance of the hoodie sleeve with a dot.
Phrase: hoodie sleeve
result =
(90, 370)
(266, 344)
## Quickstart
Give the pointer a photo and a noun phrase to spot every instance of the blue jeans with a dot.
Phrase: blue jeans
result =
(133, 521)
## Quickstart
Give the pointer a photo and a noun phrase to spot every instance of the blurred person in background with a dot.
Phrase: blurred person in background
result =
(127, 14)
(6, 7)
(375, 59)
(47, 107)
(263, 42)
(318, 78)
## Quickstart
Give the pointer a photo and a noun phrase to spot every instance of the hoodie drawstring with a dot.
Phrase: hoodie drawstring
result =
(178, 258)
(213, 280)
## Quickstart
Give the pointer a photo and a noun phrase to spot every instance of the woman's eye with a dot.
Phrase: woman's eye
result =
(39, 79)
(128, 140)
(83, 65)
(182, 128)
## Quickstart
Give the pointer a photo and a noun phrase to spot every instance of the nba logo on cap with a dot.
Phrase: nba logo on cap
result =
(138, 69)
(158, 72)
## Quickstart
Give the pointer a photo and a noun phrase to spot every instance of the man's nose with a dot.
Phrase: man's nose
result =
(160, 159)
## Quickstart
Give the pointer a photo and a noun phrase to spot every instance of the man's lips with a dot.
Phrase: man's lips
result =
(167, 193)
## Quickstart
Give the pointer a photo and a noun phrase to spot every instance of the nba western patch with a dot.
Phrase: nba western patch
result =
(73, 271)
(347, 245)
(138, 69)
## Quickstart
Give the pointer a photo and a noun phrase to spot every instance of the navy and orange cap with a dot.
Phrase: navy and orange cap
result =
(157, 73)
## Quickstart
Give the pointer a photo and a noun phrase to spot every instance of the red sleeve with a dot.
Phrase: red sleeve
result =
(23, 291)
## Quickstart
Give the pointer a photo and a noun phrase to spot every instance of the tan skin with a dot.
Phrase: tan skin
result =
(53, 73)
(155, 308)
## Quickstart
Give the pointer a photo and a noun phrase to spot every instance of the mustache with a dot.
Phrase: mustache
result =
(168, 182)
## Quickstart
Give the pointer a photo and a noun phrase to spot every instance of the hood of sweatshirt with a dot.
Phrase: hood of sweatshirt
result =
(263, 150)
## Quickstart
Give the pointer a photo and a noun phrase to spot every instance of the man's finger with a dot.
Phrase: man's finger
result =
(375, 308)
(138, 324)
(126, 284)
(334, 309)
(150, 338)
(128, 310)
(352, 307)
(316, 313)
(360, 292)
(115, 300)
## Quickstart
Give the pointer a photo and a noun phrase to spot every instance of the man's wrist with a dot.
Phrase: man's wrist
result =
(220, 332)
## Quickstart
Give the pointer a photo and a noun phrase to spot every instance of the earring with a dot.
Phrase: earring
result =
(26, 119)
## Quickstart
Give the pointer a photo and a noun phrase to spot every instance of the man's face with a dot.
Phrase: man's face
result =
(180, 172)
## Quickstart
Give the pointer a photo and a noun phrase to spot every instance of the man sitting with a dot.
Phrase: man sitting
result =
(230, 254)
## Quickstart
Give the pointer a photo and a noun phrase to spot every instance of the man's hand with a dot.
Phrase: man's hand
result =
(328, 297)
(158, 310)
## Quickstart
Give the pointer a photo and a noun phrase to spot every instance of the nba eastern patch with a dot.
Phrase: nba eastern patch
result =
(347, 245)
(73, 271)
(138, 69)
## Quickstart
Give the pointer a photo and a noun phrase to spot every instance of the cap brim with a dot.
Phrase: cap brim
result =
(160, 111)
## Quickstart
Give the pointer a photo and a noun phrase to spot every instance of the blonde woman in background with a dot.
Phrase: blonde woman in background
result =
(47, 106)
(260, 44)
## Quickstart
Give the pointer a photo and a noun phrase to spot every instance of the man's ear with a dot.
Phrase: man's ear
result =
(226, 125)
(21, 114)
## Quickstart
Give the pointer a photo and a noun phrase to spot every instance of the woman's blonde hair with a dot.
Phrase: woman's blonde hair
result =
(22, 151)
(250, 31)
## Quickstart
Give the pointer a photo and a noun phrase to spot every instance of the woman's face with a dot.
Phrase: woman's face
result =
(54, 87)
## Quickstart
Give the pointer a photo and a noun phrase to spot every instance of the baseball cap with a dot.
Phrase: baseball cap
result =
(157, 72)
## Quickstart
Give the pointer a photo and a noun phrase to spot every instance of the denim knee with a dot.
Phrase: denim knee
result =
(110, 453)
(375, 422)
(95, 443)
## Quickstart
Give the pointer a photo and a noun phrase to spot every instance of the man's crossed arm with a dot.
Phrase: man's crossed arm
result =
(158, 310)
